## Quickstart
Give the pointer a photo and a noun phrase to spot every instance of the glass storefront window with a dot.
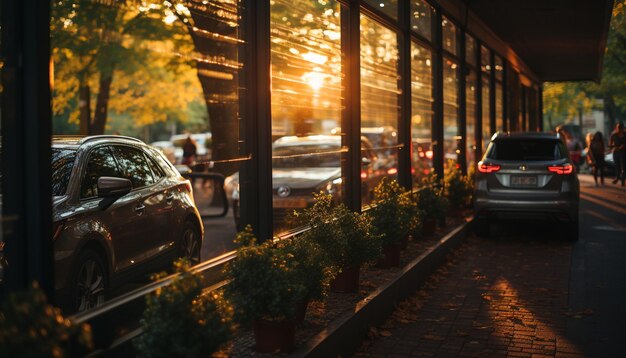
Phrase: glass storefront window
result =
(306, 104)
(499, 107)
(380, 108)
(421, 112)
(449, 32)
(470, 118)
(470, 49)
(160, 72)
(485, 59)
(486, 110)
(388, 7)
(451, 139)
(421, 18)
(498, 67)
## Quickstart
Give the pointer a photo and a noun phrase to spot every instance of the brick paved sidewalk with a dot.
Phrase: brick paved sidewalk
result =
(495, 298)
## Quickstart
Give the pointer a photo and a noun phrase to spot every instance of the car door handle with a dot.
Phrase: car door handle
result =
(140, 208)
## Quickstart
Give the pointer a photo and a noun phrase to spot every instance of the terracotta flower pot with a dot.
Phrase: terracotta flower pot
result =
(429, 226)
(391, 256)
(347, 280)
(300, 312)
(404, 242)
(455, 213)
(271, 336)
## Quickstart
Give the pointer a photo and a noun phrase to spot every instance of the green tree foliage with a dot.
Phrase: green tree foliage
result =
(567, 98)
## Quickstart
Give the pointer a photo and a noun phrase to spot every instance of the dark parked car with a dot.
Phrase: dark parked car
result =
(526, 176)
(120, 211)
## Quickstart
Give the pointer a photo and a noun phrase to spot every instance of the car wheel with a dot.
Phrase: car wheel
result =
(90, 284)
(190, 244)
(482, 227)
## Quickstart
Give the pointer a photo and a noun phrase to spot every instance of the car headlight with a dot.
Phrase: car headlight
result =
(332, 187)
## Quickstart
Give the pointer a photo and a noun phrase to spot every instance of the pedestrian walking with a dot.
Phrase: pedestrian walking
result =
(617, 144)
(595, 156)
(189, 151)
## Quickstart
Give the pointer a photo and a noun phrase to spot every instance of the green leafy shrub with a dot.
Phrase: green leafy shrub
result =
(390, 218)
(30, 327)
(431, 199)
(311, 268)
(457, 187)
(264, 282)
(414, 213)
(179, 321)
(346, 238)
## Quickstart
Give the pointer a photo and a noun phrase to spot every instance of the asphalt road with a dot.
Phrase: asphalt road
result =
(525, 291)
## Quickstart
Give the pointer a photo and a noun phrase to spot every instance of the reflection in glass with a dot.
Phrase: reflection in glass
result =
(388, 7)
(421, 112)
(306, 103)
(451, 139)
(470, 118)
(499, 67)
(379, 100)
(499, 106)
(153, 70)
(485, 59)
(486, 110)
(449, 35)
(421, 18)
(470, 49)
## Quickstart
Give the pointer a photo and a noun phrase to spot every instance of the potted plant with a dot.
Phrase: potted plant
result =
(346, 238)
(179, 321)
(457, 189)
(265, 288)
(432, 204)
(415, 215)
(30, 327)
(390, 220)
(311, 269)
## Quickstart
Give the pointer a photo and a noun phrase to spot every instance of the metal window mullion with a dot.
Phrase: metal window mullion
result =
(540, 108)
(478, 132)
(404, 123)
(256, 174)
(492, 93)
(505, 91)
(351, 114)
(437, 125)
(26, 133)
(462, 119)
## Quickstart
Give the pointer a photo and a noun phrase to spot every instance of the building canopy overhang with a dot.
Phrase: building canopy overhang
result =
(559, 40)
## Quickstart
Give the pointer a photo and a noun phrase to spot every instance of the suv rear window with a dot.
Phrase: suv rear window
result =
(527, 149)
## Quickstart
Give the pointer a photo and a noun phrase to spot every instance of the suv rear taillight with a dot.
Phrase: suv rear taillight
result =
(561, 169)
(488, 168)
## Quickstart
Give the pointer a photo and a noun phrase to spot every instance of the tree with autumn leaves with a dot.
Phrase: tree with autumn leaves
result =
(147, 60)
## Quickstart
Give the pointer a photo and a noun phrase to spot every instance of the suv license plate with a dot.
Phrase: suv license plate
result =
(524, 180)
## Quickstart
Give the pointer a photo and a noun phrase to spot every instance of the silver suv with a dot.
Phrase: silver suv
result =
(120, 211)
(526, 176)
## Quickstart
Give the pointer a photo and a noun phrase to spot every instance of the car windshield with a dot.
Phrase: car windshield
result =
(525, 149)
(306, 156)
(62, 164)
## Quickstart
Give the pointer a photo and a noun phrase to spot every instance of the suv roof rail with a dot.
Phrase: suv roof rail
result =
(110, 136)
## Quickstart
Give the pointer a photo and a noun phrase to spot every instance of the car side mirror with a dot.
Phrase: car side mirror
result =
(112, 187)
